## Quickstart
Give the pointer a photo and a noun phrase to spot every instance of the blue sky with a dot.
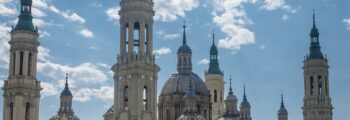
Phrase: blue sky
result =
(261, 43)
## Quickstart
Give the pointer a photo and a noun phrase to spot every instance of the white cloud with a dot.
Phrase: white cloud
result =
(231, 17)
(48, 89)
(113, 13)
(4, 46)
(262, 47)
(85, 94)
(347, 22)
(37, 13)
(204, 61)
(73, 16)
(43, 54)
(271, 5)
(167, 36)
(1, 83)
(170, 10)
(5, 10)
(285, 17)
(86, 73)
(162, 51)
(86, 33)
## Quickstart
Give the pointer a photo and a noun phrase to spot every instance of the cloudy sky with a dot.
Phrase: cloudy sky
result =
(261, 42)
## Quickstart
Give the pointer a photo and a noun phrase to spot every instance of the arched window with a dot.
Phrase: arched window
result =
(27, 114)
(14, 63)
(145, 96)
(184, 62)
(126, 98)
(21, 55)
(326, 85)
(146, 36)
(168, 117)
(311, 85)
(320, 92)
(30, 64)
(215, 96)
(126, 36)
(136, 36)
(11, 111)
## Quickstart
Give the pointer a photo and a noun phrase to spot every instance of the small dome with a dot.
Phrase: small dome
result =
(282, 110)
(184, 49)
(231, 97)
(66, 92)
(179, 83)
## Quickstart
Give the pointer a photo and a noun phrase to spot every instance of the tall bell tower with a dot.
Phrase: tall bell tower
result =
(22, 89)
(317, 101)
(135, 73)
(214, 79)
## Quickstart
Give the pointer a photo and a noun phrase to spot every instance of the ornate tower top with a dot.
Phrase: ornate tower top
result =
(315, 48)
(184, 54)
(66, 91)
(282, 108)
(214, 62)
(25, 19)
(245, 102)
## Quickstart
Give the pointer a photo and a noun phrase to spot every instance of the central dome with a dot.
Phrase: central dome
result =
(179, 83)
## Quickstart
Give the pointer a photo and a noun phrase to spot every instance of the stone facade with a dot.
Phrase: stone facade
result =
(317, 101)
(135, 73)
(22, 89)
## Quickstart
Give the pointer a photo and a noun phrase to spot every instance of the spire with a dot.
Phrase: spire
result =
(313, 16)
(214, 67)
(315, 48)
(66, 91)
(66, 85)
(184, 33)
(245, 102)
(213, 35)
(282, 107)
(282, 102)
(25, 18)
(230, 92)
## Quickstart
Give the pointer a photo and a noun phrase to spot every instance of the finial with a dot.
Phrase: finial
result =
(213, 36)
(66, 80)
(244, 90)
(313, 18)
(184, 33)
(230, 85)
(282, 98)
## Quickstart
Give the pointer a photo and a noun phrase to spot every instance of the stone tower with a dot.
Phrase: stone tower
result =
(245, 108)
(66, 109)
(231, 111)
(135, 73)
(282, 112)
(214, 79)
(22, 89)
(317, 101)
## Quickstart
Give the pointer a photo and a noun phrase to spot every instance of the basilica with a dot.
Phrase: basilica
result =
(184, 96)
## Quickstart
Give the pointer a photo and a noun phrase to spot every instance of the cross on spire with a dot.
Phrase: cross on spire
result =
(230, 92)
(213, 35)
(184, 33)
(66, 80)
